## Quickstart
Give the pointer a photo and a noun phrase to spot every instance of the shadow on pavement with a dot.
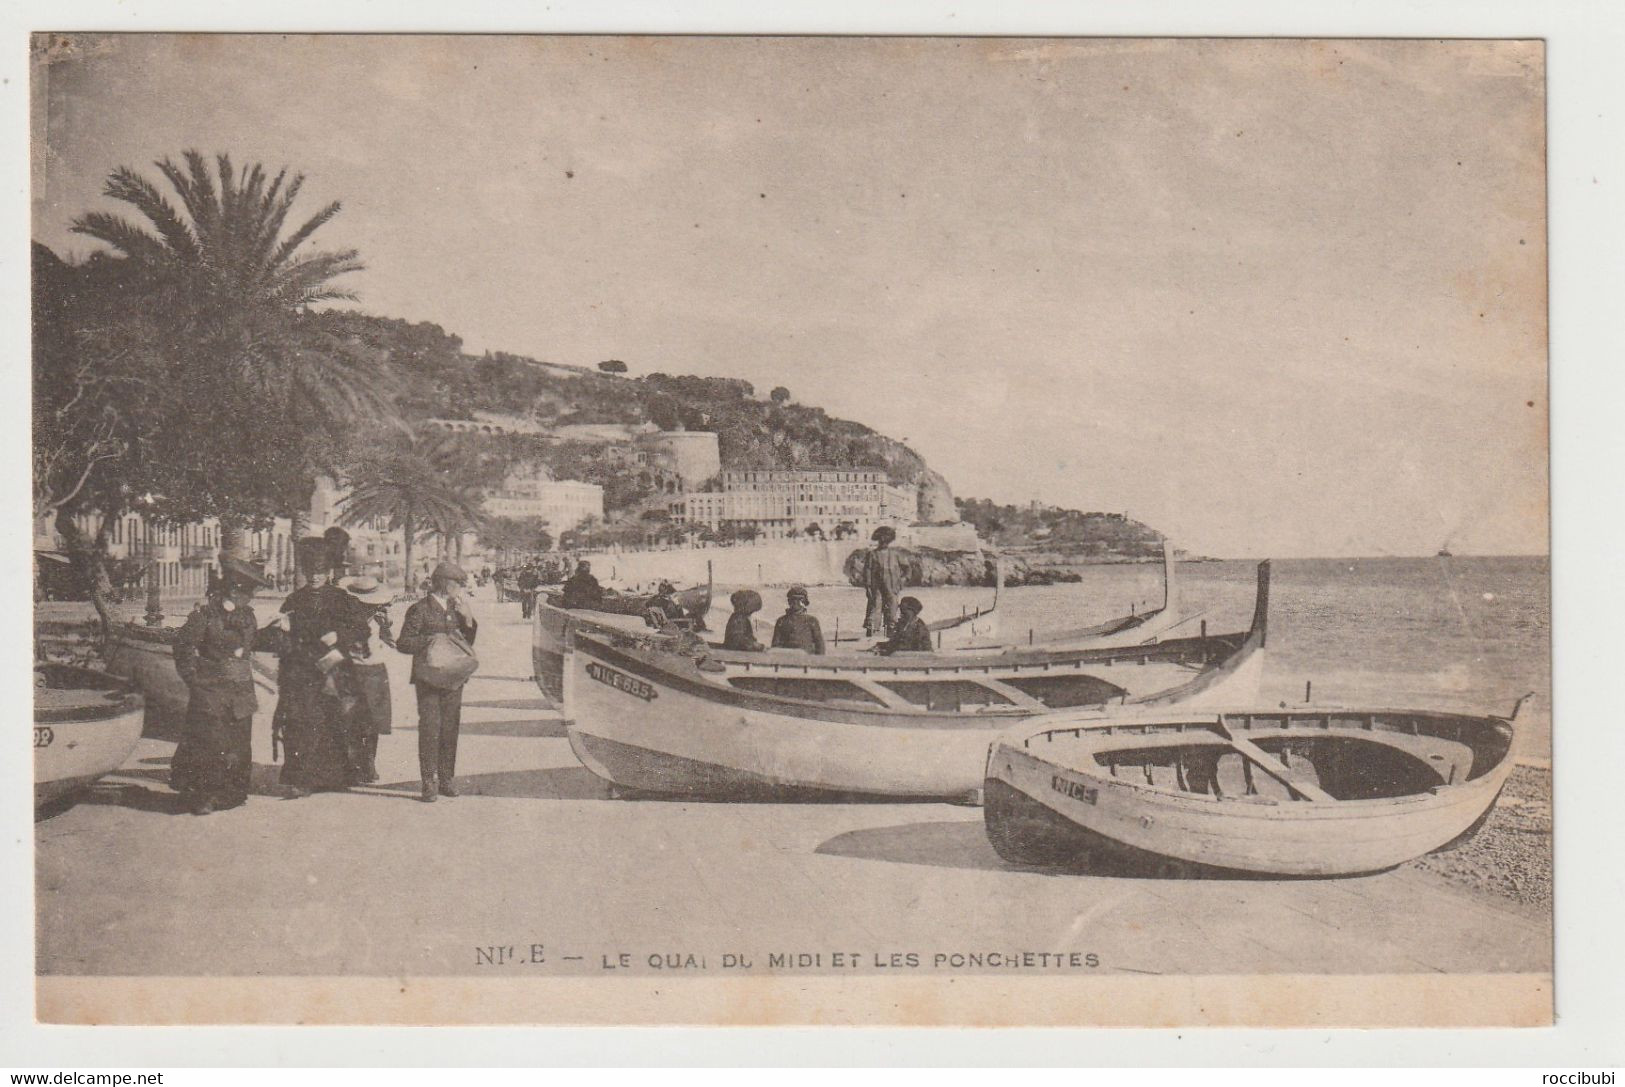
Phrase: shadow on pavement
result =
(505, 704)
(964, 845)
(557, 783)
(542, 728)
(959, 843)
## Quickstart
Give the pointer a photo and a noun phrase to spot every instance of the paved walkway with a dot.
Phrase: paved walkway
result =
(374, 882)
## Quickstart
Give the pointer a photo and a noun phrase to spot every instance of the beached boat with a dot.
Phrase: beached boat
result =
(1135, 628)
(670, 715)
(1300, 792)
(622, 613)
(978, 626)
(86, 723)
(146, 657)
(696, 601)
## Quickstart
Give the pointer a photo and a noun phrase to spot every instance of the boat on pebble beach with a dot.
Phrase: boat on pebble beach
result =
(86, 724)
(672, 715)
(1304, 792)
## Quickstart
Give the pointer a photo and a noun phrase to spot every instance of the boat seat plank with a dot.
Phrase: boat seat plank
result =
(1274, 768)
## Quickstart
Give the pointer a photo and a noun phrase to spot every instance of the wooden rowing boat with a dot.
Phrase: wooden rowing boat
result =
(675, 716)
(146, 657)
(86, 724)
(1301, 792)
(622, 613)
(1135, 628)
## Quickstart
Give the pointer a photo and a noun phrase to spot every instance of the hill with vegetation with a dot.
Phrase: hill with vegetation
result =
(438, 379)
(1069, 534)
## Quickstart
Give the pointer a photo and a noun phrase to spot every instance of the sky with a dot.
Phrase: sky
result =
(1271, 297)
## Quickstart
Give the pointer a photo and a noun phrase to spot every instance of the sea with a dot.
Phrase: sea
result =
(1466, 634)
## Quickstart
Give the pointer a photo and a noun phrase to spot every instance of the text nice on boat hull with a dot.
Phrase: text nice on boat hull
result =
(86, 723)
(651, 719)
(1301, 792)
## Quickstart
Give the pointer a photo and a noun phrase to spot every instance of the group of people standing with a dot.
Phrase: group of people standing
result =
(333, 693)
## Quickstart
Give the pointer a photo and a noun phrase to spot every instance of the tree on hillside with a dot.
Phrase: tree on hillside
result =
(414, 484)
(779, 395)
(612, 366)
(259, 394)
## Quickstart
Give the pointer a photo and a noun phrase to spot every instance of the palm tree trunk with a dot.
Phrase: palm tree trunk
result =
(298, 529)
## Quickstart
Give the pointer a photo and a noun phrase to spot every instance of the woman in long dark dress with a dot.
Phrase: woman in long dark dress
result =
(321, 619)
(212, 763)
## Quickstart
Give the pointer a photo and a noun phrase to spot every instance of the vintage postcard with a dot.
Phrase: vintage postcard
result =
(828, 530)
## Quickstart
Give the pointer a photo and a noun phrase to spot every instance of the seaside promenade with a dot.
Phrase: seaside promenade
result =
(537, 852)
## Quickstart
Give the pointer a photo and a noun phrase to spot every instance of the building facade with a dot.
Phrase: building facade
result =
(777, 502)
(562, 503)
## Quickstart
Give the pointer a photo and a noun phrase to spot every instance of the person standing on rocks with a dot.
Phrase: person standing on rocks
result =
(882, 580)
(441, 614)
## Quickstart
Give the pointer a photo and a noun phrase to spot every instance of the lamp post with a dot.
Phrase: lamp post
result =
(155, 605)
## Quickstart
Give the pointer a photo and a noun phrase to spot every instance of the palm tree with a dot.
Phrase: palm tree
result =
(235, 291)
(414, 484)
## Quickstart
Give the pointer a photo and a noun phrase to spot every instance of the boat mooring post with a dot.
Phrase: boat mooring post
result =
(1308, 687)
(1204, 628)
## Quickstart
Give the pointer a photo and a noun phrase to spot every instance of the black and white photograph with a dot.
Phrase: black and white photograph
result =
(779, 530)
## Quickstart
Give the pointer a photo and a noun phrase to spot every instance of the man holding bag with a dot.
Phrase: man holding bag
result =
(438, 632)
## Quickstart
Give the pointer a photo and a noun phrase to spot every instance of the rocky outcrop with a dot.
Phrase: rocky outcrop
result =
(936, 498)
(927, 567)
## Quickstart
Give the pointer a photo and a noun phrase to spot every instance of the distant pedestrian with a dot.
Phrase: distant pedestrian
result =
(740, 634)
(582, 589)
(440, 616)
(882, 581)
(528, 581)
(913, 635)
(796, 629)
(212, 764)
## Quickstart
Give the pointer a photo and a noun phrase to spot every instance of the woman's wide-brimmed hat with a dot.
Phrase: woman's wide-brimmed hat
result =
(746, 600)
(367, 589)
(911, 605)
(884, 532)
(235, 573)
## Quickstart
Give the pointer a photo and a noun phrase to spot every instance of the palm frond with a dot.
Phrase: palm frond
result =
(123, 236)
(298, 237)
(130, 187)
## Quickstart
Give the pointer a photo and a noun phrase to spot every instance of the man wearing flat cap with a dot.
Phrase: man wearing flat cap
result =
(796, 628)
(211, 765)
(440, 707)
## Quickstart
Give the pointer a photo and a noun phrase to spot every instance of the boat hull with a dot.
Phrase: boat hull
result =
(1040, 811)
(74, 748)
(642, 732)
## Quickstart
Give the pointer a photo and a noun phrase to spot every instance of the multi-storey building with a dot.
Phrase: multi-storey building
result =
(776, 501)
(562, 503)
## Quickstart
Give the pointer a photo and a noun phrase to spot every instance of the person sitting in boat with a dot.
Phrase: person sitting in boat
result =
(663, 610)
(912, 636)
(740, 634)
(582, 589)
(796, 629)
